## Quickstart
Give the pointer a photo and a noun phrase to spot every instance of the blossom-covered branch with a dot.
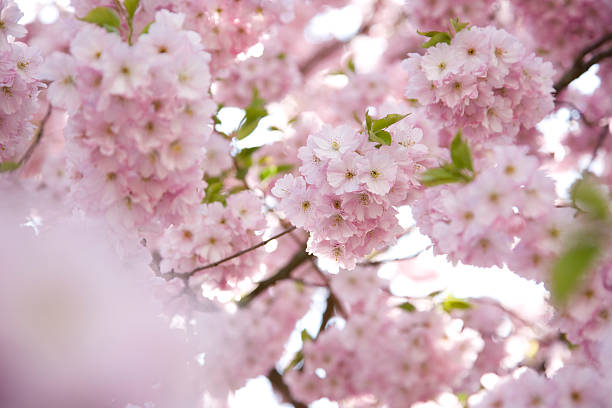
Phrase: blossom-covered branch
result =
(240, 253)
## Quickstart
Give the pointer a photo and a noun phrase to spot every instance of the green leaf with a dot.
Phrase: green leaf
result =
(8, 166)
(382, 137)
(571, 266)
(440, 175)
(299, 357)
(451, 303)
(145, 30)
(435, 37)
(244, 161)
(306, 336)
(350, 65)
(460, 153)
(273, 170)
(130, 7)
(387, 121)
(104, 17)
(462, 397)
(429, 33)
(587, 196)
(407, 306)
(214, 191)
(435, 293)
(368, 121)
(458, 25)
(252, 115)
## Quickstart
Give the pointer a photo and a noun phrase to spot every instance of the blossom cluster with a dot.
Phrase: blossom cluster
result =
(19, 84)
(213, 233)
(436, 15)
(586, 321)
(348, 187)
(248, 342)
(572, 386)
(477, 222)
(227, 27)
(484, 81)
(272, 74)
(562, 29)
(418, 354)
(139, 120)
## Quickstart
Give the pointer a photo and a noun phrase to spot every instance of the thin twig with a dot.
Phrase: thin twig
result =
(384, 261)
(298, 259)
(239, 253)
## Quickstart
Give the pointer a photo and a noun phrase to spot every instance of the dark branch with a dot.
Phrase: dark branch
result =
(580, 66)
(331, 306)
(607, 37)
(279, 386)
(237, 254)
(284, 273)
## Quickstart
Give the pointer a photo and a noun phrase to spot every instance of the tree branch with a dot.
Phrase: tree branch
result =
(298, 259)
(35, 142)
(276, 379)
(239, 253)
(580, 66)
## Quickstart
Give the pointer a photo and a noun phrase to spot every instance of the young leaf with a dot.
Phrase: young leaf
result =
(214, 191)
(382, 137)
(299, 357)
(244, 160)
(458, 25)
(460, 153)
(350, 65)
(570, 267)
(8, 166)
(588, 197)
(368, 121)
(273, 170)
(306, 336)
(429, 34)
(440, 175)
(145, 30)
(252, 115)
(436, 37)
(409, 307)
(387, 121)
(451, 303)
(130, 7)
(104, 17)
